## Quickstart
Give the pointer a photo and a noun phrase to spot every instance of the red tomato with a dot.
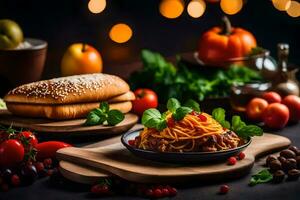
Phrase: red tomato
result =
(11, 153)
(48, 149)
(145, 99)
(29, 136)
(255, 109)
(276, 116)
(271, 97)
(293, 104)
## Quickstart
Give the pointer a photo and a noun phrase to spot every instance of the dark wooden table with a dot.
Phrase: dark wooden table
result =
(48, 190)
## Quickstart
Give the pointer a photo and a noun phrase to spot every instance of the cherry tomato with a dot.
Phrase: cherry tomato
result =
(48, 149)
(145, 99)
(11, 153)
(224, 189)
(29, 136)
(276, 116)
(231, 161)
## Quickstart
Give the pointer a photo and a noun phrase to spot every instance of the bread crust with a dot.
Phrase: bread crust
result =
(69, 90)
(62, 112)
(128, 96)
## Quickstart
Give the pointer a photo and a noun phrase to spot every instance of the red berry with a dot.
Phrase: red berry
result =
(149, 192)
(131, 142)
(39, 166)
(104, 189)
(15, 180)
(4, 187)
(47, 162)
(172, 191)
(170, 122)
(95, 189)
(241, 156)
(100, 189)
(157, 193)
(194, 113)
(232, 161)
(50, 172)
(165, 192)
(224, 189)
(202, 118)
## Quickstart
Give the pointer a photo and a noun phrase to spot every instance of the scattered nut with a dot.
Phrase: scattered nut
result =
(270, 159)
(281, 159)
(278, 176)
(275, 165)
(293, 148)
(289, 164)
(288, 154)
(293, 174)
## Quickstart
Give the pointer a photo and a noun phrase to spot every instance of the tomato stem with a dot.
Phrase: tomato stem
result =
(83, 47)
(226, 26)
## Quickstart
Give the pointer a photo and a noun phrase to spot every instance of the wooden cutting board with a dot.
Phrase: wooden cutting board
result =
(66, 128)
(88, 164)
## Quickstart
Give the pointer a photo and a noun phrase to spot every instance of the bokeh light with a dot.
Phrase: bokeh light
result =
(281, 5)
(231, 7)
(294, 9)
(196, 8)
(120, 33)
(171, 8)
(96, 6)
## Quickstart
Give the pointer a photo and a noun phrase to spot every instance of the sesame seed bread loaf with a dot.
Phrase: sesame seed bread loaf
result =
(62, 112)
(128, 96)
(69, 90)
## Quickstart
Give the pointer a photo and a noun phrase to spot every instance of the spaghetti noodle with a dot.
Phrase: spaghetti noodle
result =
(195, 132)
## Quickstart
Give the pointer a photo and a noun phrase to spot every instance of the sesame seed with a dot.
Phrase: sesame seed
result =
(61, 88)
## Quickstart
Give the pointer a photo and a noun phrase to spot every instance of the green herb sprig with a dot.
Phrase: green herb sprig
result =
(103, 115)
(152, 118)
(237, 125)
(264, 176)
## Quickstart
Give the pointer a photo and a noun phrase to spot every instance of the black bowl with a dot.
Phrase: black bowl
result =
(177, 157)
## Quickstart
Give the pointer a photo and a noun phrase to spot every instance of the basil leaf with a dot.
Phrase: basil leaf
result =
(249, 131)
(114, 117)
(149, 114)
(263, 176)
(219, 115)
(173, 104)
(92, 119)
(181, 112)
(104, 106)
(193, 105)
(164, 115)
(237, 123)
(152, 123)
(161, 125)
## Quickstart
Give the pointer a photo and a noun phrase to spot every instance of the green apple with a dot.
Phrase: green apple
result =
(11, 34)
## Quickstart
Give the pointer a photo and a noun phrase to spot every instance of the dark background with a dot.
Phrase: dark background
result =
(63, 22)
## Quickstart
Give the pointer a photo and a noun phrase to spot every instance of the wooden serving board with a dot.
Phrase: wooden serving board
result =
(102, 159)
(66, 128)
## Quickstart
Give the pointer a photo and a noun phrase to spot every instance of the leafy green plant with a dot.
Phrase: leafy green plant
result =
(103, 115)
(184, 83)
(237, 125)
(263, 176)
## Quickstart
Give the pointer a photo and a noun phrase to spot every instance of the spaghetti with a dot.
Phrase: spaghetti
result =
(195, 132)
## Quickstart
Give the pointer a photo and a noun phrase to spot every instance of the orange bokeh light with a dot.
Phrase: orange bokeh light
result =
(171, 8)
(96, 6)
(231, 7)
(281, 5)
(294, 9)
(120, 33)
(196, 8)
